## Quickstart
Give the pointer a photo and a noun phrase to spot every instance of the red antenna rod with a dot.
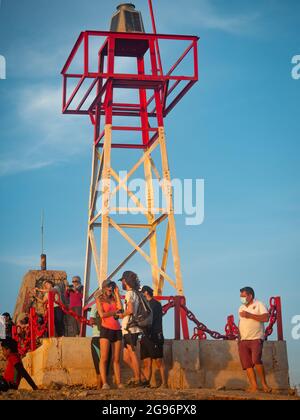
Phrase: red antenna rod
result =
(155, 32)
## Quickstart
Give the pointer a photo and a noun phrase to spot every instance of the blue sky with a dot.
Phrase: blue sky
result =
(237, 129)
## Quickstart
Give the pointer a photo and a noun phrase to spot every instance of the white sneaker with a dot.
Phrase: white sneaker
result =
(105, 387)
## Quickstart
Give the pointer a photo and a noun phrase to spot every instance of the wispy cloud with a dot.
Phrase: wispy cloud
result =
(31, 262)
(11, 166)
(206, 14)
(48, 137)
(37, 61)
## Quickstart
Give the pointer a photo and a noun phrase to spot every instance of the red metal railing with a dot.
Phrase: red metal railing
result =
(29, 336)
(167, 82)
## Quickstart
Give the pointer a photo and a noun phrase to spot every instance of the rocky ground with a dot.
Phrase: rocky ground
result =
(76, 393)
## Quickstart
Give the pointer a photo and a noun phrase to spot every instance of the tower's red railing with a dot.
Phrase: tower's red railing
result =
(31, 335)
(173, 84)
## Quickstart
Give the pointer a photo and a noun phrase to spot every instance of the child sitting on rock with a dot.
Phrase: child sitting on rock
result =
(14, 370)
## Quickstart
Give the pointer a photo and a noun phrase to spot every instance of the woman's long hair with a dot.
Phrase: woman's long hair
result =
(102, 296)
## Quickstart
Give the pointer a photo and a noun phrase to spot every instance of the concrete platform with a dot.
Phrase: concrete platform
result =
(190, 364)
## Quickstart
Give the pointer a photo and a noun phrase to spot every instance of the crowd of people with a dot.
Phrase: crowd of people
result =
(117, 326)
(72, 297)
(112, 323)
(139, 318)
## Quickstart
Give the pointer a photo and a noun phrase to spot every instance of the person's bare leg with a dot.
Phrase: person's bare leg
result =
(116, 361)
(160, 363)
(147, 371)
(127, 358)
(143, 377)
(104, 353)
(135, 364)
(262, 376)
(252, 380)
(99, 382)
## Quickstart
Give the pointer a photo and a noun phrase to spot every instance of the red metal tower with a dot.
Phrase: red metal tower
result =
(159, 91)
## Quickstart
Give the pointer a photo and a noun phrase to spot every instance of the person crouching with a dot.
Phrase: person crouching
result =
(14, 370)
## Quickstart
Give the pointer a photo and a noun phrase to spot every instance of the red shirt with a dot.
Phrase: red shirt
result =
(110, 323)
(11, 374)
(75, 298)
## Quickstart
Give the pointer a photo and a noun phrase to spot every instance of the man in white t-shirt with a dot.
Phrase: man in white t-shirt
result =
(253, 315)
(131, 285)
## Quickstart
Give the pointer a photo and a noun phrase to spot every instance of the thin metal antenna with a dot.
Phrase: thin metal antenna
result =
(155, 32)
(152, 16)
(42, 231)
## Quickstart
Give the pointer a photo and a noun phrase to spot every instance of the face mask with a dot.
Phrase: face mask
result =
(244, 300)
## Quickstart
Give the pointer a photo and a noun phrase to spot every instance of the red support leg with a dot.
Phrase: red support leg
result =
(51, 326)
(15, 333)
(279, 319)
(184, 320)
(177, 310)
(83, 326)
(32, 318)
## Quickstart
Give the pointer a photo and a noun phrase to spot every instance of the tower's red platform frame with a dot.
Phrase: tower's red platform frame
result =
(105, 79)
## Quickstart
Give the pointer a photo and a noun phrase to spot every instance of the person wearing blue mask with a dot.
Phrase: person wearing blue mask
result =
(253, 315)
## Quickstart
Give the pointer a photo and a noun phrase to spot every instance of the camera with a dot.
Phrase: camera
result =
(120, 312)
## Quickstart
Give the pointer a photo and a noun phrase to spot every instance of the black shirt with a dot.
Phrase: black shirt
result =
(157, 327)
(8, 328)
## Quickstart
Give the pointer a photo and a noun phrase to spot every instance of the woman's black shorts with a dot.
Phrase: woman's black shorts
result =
(111, 335)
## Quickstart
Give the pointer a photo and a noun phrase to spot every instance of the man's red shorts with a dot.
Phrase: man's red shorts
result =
(251, 353)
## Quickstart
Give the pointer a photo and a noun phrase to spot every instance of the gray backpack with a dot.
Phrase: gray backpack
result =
(144, 316)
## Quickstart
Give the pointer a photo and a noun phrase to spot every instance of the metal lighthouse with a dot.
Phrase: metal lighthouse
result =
(134, 125)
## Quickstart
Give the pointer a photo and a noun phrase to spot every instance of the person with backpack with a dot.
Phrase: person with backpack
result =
(109, 307)
(137, 315)
(152, 342)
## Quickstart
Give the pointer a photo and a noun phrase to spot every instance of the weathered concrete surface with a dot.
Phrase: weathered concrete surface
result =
(190, 364)
(216, 365)
(32, 279)
(2, 362)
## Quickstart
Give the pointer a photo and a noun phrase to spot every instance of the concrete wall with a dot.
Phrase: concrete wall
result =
(2, 362)
(190, 364)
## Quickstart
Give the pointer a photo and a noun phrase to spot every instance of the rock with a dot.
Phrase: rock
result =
(55, 386)
(83, 395)
(32, 279)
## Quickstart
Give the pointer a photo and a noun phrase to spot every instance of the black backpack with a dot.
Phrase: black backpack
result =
(143, 317)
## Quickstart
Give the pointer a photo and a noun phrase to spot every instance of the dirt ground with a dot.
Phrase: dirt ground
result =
(76, 393)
